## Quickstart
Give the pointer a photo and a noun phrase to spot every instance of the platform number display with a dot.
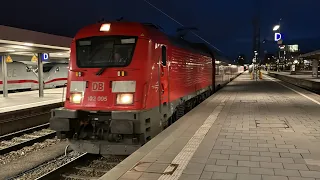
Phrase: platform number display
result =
(45, 57)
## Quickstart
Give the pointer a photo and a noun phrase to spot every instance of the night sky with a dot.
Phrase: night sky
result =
(227, 24)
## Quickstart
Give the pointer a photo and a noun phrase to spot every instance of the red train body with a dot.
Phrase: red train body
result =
(127, 82)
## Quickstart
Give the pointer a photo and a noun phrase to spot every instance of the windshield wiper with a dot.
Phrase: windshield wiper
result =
(101, 71)
(104, 68)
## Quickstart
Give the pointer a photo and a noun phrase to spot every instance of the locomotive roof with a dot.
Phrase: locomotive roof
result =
(156, 31)
(199, 47)
(185, 44)
(195, 47)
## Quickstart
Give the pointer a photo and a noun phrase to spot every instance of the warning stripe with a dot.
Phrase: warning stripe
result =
(57, 79)
(185, 155)
(33, 81)
(20, 81)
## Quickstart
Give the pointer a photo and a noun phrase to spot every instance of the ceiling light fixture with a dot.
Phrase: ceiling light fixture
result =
(28, 44)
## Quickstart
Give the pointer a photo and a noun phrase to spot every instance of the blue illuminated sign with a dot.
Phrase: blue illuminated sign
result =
(277, 36)
(45, 56)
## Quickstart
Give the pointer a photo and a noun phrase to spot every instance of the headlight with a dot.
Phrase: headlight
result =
(124, 98)
(76, 98)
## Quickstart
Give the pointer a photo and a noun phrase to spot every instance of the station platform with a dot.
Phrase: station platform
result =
(248, 130)
(299, 76)
(30, 99)
(300, 79)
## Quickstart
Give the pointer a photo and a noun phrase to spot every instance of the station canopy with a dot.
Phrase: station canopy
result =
(21, 42)
(311, 55)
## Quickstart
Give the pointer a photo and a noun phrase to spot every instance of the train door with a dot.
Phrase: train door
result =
(164, 87)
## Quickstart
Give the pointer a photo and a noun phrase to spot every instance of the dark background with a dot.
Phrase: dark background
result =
(227, 24)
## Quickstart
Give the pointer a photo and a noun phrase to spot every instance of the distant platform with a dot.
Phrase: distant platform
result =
(302, 80)
(30, 99)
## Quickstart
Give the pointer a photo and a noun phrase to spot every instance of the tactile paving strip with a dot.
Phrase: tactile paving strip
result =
(183, 158)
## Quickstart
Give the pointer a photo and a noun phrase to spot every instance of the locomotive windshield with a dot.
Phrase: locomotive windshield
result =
(105, 51)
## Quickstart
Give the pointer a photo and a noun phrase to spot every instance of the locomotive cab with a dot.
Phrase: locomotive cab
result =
(106, 88)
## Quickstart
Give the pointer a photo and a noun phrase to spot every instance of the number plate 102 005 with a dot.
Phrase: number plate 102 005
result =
(97, 98)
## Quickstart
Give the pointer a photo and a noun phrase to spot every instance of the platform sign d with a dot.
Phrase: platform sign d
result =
(45, 57)
(277, 36)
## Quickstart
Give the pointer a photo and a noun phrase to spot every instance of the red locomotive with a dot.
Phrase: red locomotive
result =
(128, 81)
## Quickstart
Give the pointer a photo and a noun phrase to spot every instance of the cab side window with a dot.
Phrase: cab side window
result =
(164, 56)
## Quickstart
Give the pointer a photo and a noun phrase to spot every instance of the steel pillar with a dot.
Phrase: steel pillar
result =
(315, 64)
(4, 76)
(40, 75)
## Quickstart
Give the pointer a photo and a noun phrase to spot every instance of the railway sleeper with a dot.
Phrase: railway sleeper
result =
(74, 176)
(93, 169)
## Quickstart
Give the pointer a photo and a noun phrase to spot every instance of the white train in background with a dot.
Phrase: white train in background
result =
(23, 75)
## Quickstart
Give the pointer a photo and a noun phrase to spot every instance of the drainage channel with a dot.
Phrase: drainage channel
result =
(272, 124)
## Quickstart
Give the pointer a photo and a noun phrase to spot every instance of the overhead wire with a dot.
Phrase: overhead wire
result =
(181, 24)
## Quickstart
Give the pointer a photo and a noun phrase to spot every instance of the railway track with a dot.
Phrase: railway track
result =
(72, 165)
(18, 140)
(85, 167)
(17, 120)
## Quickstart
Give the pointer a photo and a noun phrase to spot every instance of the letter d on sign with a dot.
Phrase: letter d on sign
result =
(277, 36)
(45, 57)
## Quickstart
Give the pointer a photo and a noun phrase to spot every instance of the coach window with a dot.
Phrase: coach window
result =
(164, 56)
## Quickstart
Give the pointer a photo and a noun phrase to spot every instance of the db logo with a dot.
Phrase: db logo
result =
(98, 86)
